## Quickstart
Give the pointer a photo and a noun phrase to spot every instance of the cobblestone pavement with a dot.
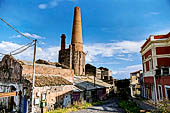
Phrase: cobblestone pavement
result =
(108, 107)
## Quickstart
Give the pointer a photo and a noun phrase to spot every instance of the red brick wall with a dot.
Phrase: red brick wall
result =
(163, 62)
(147, 66)
(143, 67)
(148, 80)
(163, 80)
(162, 50)
(147, 54)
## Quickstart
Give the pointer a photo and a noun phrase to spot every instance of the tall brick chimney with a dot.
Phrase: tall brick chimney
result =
(77, 41)
(63, 45)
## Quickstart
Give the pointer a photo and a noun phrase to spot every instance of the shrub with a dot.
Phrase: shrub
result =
(129, 106)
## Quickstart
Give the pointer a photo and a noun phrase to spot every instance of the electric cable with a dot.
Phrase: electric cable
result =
(22, 50)
(16, 29)
(21, 47)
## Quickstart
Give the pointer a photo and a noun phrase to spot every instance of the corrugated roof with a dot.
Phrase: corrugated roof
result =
(76, 89)
(49, 80)
(98, 81)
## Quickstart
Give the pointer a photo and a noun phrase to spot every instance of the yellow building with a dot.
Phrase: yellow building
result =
(135, 86)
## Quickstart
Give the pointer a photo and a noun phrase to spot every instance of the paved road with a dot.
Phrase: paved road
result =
(108, 107)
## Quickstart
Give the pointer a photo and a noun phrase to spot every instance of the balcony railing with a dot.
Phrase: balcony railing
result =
(164, 71)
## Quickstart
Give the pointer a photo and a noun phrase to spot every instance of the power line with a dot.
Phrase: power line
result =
(16, 30)
(22, 50)
(21, 47)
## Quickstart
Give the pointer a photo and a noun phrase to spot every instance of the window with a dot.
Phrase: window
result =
(160, 92)
(165, 71)
(167, 92)
(133, 74)
(43, 96)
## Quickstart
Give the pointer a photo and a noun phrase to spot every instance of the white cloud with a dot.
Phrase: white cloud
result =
(29, 35)
(161, 32)
(114, 72)
(108, 63)
(94, 50)
(53, 3)
(42, 6)
(125, 72)
(125, 59)
(114, 49)
(50, 53)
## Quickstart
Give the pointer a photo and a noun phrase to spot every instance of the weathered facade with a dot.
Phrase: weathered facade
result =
(90, 70)
(123, 88)
(53, 85)
(92, 89)
(100, 73)
(74, 56)
(156, 62)
(135, 86)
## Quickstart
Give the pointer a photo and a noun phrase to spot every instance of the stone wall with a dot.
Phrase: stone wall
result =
(10, 70)
(11, 80)
(65, 57)
(73, 59)
(52, 96)
(78, 63)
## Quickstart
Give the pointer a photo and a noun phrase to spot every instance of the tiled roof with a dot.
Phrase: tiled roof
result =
(49, 80)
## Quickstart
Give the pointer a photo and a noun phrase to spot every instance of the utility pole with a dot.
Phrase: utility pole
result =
(33, 78)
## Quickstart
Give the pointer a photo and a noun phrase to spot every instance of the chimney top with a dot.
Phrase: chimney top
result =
(63, 36)
(77, 7)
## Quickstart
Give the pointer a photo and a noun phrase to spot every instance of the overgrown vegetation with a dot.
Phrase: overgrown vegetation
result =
(165, 108)
(77, 106)
(129, 106)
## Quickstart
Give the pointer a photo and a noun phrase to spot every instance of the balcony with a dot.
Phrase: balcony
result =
(163, 71)
(149, 73)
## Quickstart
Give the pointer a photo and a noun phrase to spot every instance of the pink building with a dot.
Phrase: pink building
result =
(156, 67)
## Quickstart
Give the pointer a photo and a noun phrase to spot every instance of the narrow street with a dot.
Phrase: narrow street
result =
(110, 106)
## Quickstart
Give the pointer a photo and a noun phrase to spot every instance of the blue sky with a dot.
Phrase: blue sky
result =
(113, 30)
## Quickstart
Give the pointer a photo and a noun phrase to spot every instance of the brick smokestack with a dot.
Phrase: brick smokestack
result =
(77, 40)
(63, 45)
